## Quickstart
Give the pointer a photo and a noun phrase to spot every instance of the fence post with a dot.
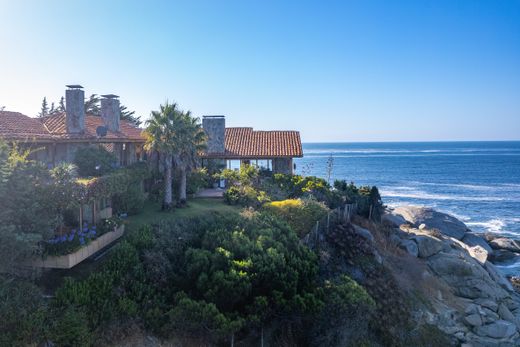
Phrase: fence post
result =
(317, 232)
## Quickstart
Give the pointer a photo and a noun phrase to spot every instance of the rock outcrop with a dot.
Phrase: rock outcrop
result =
(444, 223)
(484, 309)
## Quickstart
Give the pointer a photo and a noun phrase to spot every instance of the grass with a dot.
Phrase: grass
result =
(196, 207)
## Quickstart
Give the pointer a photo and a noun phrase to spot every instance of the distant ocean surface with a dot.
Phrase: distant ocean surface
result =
(477, 182)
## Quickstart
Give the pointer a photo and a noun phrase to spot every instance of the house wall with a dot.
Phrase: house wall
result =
(283, 165)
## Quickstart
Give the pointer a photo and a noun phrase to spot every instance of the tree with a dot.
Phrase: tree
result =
(129, 115)
(190, 140)
(160, 137)
(179, 137)
(25, 208)
(61, 107)
(45, 108)
(92, 105)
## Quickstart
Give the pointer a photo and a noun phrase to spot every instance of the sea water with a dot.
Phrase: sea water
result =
(477, 182)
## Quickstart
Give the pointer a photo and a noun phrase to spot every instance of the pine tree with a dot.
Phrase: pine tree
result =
(45, 108)
(52, 109)
(61, 107)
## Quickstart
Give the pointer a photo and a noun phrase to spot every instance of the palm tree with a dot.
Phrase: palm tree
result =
(178, 137)
(160, 137)
(190, 140)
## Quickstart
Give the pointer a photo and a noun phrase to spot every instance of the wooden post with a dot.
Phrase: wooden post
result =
(262, 337)
(80, 217)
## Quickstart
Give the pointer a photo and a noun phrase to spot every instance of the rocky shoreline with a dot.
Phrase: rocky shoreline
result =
(484, 309)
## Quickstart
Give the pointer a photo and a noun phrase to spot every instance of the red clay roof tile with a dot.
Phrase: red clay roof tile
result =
(244, 143)
(16, 126)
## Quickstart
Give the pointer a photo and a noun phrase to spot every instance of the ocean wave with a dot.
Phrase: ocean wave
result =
(452, 151)
(416, 194)
(411, 154)
(493, 225)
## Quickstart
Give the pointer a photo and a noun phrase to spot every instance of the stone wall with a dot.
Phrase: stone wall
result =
(75, 110)
(283, 165)
(110, 113)
(215, 128)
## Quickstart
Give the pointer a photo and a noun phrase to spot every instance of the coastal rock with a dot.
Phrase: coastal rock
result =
(479, 253)
(490, 304)
(468, 278)
(505, 243)
(472, 240)
(505, 314)
(473, 320)
(393, 219)
(366, 234)
(501, 255)
(498, 277)
(498, 330)
(444, 223)
(427, 245)
(410, 246)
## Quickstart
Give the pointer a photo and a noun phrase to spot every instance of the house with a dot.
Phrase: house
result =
(276, 149)
(56, 138)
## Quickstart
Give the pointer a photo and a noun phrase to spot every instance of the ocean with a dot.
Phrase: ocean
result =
(477, 182)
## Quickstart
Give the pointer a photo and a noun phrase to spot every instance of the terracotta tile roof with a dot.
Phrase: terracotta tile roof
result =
(16, 126)
(243, 143)
(57, 127)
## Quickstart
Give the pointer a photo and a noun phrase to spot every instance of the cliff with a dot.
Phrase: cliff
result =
(443, 271)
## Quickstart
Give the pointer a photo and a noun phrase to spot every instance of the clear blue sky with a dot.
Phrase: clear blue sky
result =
(337, 71)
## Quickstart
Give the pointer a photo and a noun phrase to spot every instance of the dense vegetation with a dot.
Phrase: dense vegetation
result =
(218, 277)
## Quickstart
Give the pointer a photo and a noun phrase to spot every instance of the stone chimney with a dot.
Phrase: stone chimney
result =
(110, 111)
(215, 128)
(75, 109)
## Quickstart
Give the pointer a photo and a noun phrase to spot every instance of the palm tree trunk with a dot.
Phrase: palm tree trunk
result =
(167, 183)
(182, 188)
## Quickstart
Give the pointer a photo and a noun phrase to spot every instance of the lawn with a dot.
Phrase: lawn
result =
(196, 207)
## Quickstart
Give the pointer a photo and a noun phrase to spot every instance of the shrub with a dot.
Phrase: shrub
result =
(300, 214)
(131, 201)
(198, 179)
(22, 313)
(94, 161)
(232, 195)
(245, 196)
(71, 328)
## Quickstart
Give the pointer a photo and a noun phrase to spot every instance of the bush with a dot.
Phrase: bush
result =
(131, 201)
(346, 315)
(245, 196)
(367, 198)
(198, 179)
(22, 313)
(71, 328)
(296, 186)
(94, 161)
(232, 196)
(300, 214)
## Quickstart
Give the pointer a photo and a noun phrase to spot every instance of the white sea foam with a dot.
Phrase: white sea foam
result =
(418, 194)
(493, 225)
